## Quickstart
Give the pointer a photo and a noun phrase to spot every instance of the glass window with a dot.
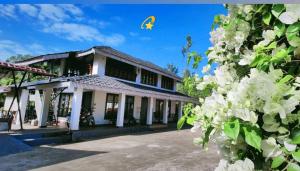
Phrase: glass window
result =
(119, 69)
(111, 109)
(148, 77)
(167, 83)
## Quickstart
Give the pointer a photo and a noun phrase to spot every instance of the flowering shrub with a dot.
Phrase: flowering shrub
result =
(252, 108)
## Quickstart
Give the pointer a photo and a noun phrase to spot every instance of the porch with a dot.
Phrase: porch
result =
(110, 101)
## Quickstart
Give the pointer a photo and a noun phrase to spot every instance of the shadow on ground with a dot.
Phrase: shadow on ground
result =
(43, 156)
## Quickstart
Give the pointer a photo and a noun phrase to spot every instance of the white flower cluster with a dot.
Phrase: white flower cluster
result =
(239, 165)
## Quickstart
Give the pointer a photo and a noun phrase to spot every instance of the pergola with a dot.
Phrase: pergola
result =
(8, 69)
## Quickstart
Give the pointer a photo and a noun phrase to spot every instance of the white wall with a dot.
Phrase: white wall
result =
(137, 107)
(173, 107)
(8, 100)
(99, 65)
(99, 99)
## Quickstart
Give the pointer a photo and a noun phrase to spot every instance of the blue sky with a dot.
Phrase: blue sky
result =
(41, 29)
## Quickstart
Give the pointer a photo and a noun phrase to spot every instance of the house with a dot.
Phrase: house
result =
(115, 85)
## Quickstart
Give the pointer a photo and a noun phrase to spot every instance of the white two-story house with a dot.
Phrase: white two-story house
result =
(116, 85)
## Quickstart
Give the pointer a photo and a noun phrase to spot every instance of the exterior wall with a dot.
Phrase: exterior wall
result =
(173, 107)
(137, 107)
(99, 65)
(8, 100)
(99, 99)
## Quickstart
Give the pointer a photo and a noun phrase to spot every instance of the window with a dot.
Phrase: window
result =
(167, 83)
(64, 105)
(111, 109)
(119, 69)
(149, 78)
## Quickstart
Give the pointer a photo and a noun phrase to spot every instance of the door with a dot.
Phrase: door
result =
(144, 110)
(129, 107)
(159, 109)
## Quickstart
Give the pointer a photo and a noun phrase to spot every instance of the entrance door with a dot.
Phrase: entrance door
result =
(144, 110)
(159, 109)
(129, 107)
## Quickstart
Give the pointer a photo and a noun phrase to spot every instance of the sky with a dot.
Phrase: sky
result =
(49, 28)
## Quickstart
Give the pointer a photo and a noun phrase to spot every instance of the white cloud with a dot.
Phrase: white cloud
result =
(81, 32)
(10, 48)
(64, 20)
(7, 11)
(71, 9)
(28, 9)
(52, 12)
(99, 24)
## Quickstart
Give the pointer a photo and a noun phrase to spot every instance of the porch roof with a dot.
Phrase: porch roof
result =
(105, 83)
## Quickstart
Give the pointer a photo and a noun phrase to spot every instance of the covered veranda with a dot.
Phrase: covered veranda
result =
(9, 70)
(145, 100)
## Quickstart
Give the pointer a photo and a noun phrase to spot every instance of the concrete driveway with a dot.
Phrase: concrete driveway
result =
(172, 150)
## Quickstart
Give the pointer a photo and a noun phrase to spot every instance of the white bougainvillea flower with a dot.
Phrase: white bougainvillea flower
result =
(206, 68)
(269, 36)
(247, 57)
(291, 15)
(270, 148)
(239, 165)
(289, 147)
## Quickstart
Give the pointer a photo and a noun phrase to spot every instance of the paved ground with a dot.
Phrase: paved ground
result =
(171, 150)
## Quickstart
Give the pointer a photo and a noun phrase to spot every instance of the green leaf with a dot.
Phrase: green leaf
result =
(232, 129)
(181, 122)
(277, 9)
(279, 29)
(296, 155)
(267, 18)
(294, 41)
(280, 55)
(286, 79)
(293, 167)
(296, 137)
(277, 161)
(190, 119)
(206, 135)
(252, 138)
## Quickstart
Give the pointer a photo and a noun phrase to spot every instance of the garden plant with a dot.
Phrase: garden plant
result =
(251, 89)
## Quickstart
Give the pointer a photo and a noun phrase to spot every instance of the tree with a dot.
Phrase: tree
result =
(172, 68)
(252, 105)
(18, 57)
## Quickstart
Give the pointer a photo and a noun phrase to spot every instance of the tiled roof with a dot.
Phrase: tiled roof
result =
(109, 82)
(106, 82)
(13, 67)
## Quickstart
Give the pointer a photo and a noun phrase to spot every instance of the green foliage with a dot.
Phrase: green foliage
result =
(277, 161)
(232, 129)
(252, 137)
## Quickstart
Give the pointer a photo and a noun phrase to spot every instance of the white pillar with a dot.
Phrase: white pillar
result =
(138, 75)
(165, 114)
(76, 109)
(55, 107)
(38, 104)
(23, 104)
(180, 110)
(121, 110)
(99, 65)
(159, 81)
(150, 111)
(45, 107)
(174, 85)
